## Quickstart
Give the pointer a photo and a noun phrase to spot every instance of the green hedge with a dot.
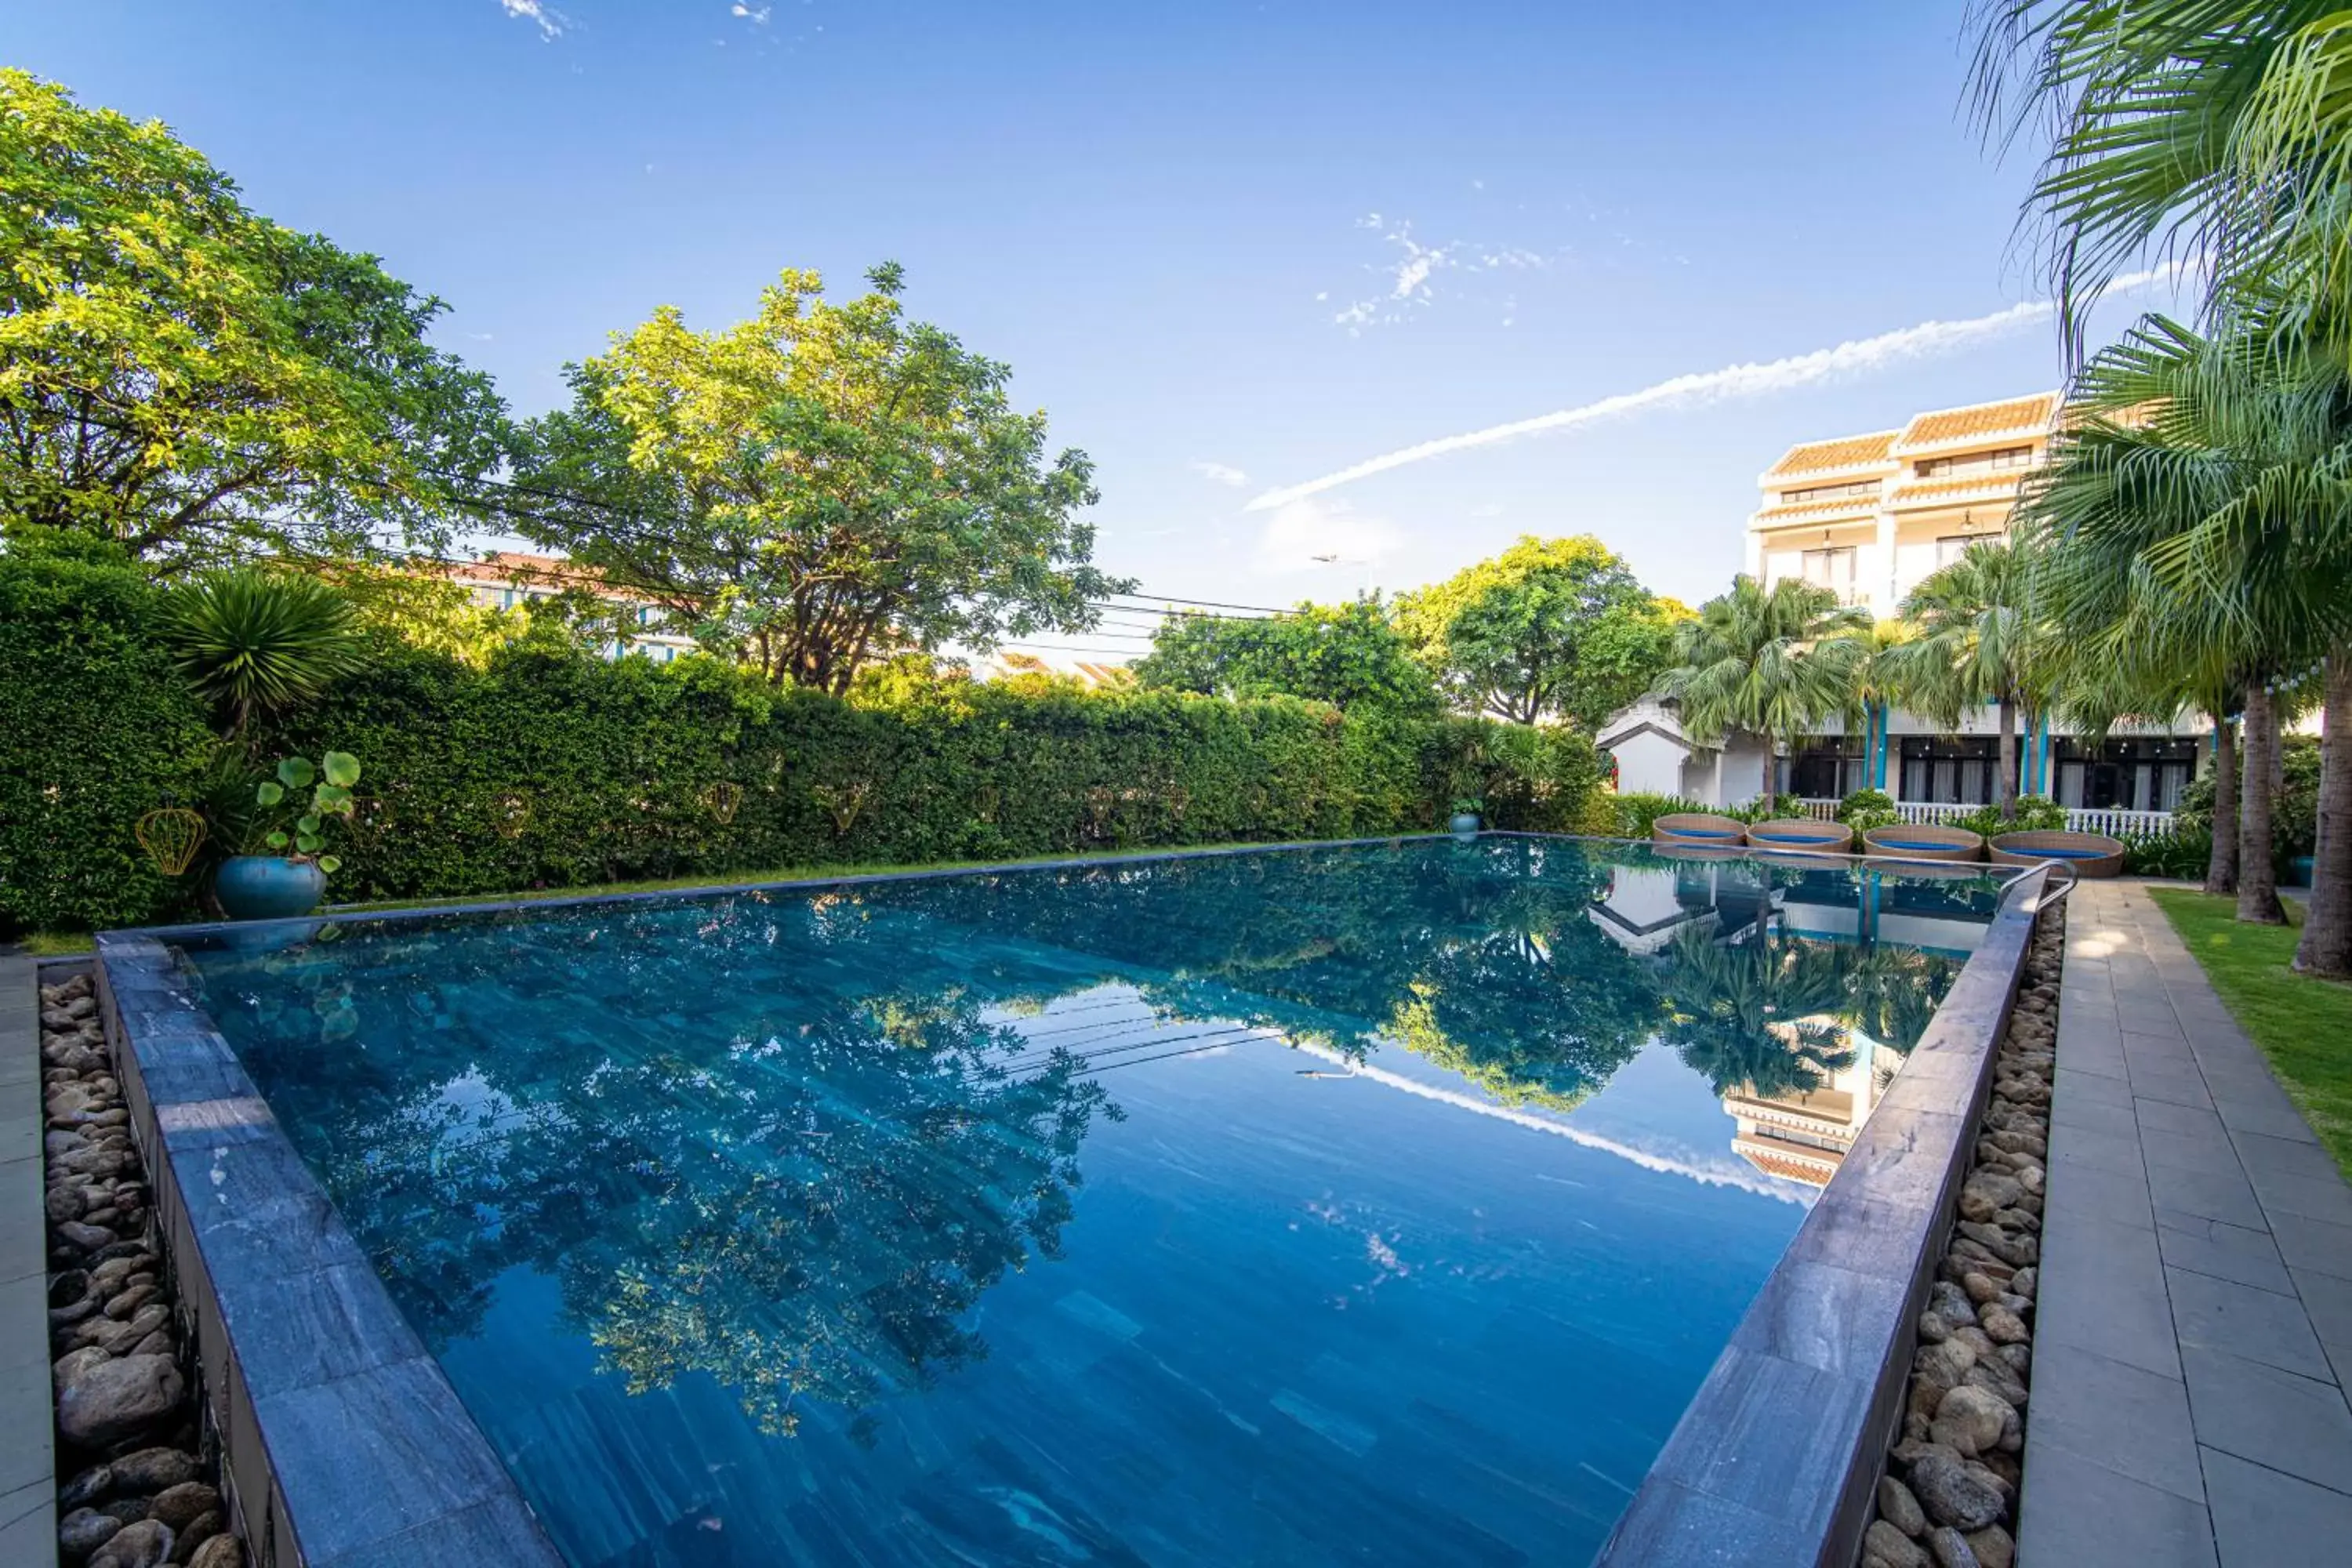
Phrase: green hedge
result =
(555, 768)
(98, 730)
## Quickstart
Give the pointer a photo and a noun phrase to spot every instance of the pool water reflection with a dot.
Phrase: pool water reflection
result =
(1364, 1204)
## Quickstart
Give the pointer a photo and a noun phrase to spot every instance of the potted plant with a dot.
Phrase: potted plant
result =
(283, 872)
(1465, 813)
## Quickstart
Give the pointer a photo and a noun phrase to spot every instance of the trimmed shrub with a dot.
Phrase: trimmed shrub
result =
(99, 731)
(1866, 809)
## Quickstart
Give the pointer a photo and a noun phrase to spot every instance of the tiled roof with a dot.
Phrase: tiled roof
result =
(1794, 1168)
(1830, 456)
(2015, 416)
(1999, 485)
(1816, 510)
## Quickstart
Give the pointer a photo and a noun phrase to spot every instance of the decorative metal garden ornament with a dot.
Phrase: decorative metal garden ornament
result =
(171, 835)
(722, 799)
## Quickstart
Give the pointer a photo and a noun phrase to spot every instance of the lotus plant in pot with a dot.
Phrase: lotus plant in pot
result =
(284, 872)
(1466, 814)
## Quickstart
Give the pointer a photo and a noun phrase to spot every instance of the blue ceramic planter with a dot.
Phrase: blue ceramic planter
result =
(268, 887)
(1465, 822)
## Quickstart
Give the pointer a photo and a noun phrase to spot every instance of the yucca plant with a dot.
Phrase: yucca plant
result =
(253, 642)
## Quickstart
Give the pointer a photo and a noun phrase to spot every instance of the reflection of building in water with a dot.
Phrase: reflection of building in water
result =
(1648, 906)
(1804, 1136)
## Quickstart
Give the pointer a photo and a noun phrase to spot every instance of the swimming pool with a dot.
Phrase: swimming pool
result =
(1365, 1204)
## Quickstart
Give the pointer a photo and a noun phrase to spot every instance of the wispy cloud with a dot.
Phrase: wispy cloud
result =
(1859, 356)
(1222, 473)
(1412, 269)
(1308, 535)
(755, 14)
(550, 21)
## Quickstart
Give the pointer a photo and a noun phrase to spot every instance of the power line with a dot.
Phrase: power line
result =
(1210, 604)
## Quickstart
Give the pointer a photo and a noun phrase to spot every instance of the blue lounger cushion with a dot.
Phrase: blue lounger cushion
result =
(1702, 832)
(2063, 854)
(1795, 837)
(1917, 844)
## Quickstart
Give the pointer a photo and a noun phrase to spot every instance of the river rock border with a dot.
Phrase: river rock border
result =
(1948, 1496)
(140, 1479)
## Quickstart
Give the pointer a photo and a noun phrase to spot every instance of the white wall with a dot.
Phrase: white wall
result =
(1649, 764)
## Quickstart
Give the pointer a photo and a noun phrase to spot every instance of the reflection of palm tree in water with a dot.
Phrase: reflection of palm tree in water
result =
(1763, 1015)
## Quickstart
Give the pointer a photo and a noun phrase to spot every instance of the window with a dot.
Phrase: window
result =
(1830, 492)
(1952, 546)
(1831, 569)
(1975, 462)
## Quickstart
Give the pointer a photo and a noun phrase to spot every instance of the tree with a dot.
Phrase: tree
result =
(1772, 662)
(2225, 125)
(1979, 642)
(2203, 512)
(1551, 628)
(196, 382)
(1349, 656)
(817, 489)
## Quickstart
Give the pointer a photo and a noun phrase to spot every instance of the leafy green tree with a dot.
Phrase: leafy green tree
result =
(817, 488)
(1979, 641)
(1551, 628)
(189, 378)
(1772, 662)
(1349, 656)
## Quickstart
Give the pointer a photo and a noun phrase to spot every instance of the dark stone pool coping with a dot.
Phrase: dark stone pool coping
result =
(344, 1444)
(1776, 1457)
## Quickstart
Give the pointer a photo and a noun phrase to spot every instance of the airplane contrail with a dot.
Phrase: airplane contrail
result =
(1860, 356)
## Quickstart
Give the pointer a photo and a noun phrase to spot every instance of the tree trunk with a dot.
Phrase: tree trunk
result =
(2004, 782)
(2258, 900)
(2221, 865)
(1772, 767)
(2326, 945)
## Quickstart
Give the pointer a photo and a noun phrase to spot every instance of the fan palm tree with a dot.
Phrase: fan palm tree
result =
(1765, 1014)
(1979, 642)
(2202, 515)
(1772, 662)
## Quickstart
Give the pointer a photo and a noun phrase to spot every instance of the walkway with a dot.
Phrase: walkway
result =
(2194, 1336)
(27, 1474)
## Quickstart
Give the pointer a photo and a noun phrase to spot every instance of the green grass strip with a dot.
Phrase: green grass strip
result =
(2304, 1026)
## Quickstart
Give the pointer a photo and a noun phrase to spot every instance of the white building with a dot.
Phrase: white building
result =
(1869, 517)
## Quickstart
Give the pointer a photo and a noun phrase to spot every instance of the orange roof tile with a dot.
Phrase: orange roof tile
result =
(1794, 1168)
(1829, 456)
(2016, 415)
(1816, 510)
(2001, 482)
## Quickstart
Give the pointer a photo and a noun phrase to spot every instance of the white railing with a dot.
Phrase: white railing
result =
(2109, 820)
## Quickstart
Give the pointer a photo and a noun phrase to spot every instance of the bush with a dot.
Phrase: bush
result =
(2035, 814)
(1638, 813)
(2182, 854)
(2294, 810)
(550, 766)
(101, 730)
(1867, 808)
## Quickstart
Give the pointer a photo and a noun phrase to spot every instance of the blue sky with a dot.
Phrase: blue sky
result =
(1231, 249)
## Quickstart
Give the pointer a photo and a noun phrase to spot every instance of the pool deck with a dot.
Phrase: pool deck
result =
(28, 1487)
(2194, 1340)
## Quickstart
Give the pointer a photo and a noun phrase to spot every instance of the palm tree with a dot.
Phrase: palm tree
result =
(2224, 126)
(1772, 662)
(2202, 515)
(1979, 642)
(1765, 1014)
(254, 642)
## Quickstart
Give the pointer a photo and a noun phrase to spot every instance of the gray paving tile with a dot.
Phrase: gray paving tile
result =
(2121, 1417)
(2313, 1245)
(2272, 1417)
(2118, 1195)
(2312, 1197)
(2288, 1157)
(2090, 1088)
(2093, 1116)
(2224, 1194)
(2261, 1325)
(2071, 1145)
(2075, 1514)
(2179, 1121)
(2243, 1117)
(2180, 1087)
(2103, 1290)
(2327, 1302)
(2265, 1519)
(2224, 1251)
(2210, 1153)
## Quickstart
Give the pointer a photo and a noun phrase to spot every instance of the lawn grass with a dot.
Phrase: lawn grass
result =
(2304, 1026)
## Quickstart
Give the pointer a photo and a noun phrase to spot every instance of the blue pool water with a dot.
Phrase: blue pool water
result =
(1363, 1205)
